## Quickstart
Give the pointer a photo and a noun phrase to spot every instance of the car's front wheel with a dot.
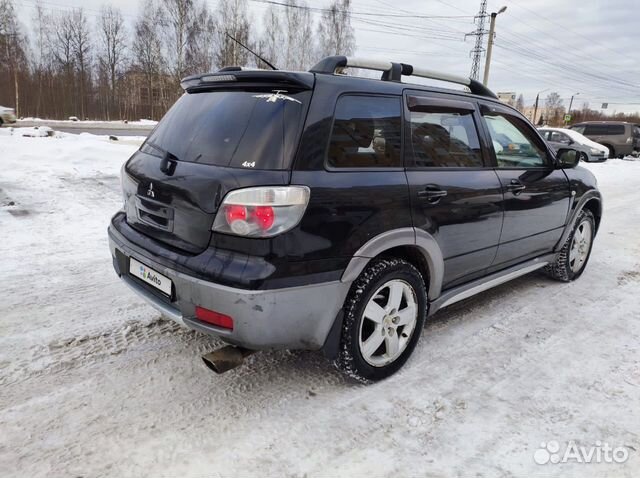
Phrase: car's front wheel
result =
(573, 256)
(383, 316)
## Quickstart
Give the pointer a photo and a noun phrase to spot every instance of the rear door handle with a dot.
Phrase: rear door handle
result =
(516, 187)
(433, 194)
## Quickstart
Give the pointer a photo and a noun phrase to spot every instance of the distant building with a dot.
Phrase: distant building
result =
(529, 110)
(508, 97)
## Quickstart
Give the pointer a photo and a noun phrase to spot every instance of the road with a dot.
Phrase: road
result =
(99, 128)
(94, 383)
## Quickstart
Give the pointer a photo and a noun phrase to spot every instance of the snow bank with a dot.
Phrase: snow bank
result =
(143, 122)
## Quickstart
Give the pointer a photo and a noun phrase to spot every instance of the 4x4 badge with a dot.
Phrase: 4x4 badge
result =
(277, 95)
(150, 192)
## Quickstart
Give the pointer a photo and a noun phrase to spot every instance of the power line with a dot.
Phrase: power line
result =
(563, 26)
(349, 12)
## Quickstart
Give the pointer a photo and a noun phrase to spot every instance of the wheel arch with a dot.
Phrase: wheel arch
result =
(595, 206)
(414, 245)
(591, 201)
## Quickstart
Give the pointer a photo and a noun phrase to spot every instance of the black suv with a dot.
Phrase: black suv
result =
(314, 210)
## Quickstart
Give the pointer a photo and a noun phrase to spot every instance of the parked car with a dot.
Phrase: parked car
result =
(619, 137)
(562, 137)
(7, 115)
(315, 210)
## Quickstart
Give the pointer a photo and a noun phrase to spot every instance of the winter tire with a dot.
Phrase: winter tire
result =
(383, 316)
(573, 256)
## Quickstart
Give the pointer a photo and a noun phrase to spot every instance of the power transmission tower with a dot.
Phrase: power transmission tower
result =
(479, 33)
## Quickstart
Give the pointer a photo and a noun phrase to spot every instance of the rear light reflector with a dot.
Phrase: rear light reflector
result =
(214, 318)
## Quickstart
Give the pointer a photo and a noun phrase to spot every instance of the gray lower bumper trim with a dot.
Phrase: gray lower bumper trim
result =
(291, 318)
(165, 309)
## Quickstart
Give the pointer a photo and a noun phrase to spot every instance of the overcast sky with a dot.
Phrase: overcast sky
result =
(568, 46)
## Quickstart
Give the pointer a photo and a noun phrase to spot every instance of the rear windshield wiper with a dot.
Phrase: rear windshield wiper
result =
(167, 165)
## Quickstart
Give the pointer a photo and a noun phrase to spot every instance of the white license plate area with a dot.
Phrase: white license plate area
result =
(150, 276)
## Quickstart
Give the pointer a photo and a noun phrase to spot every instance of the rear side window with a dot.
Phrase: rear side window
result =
(366, 133)
(242, 129)
(603, 129)
(444, 137)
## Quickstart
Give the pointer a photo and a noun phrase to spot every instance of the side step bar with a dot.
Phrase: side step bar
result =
(485, 283)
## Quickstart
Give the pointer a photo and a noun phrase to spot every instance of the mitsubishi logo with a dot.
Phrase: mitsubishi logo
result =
(150, 192)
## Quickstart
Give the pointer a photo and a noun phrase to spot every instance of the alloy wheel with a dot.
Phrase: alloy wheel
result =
(580, 246)
(388, 322)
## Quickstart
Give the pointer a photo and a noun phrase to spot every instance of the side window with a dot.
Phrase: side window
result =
(559, 137)
(604, 129)
(593, 130)
(366, 133)
(445, 138)
(515, 145)
(616, 129)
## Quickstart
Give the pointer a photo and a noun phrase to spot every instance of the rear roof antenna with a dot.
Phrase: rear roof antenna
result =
(250, 51)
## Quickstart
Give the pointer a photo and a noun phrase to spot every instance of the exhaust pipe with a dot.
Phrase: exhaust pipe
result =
(226, 358)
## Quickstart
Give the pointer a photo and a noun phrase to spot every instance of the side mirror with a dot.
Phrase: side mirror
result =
(568, 158)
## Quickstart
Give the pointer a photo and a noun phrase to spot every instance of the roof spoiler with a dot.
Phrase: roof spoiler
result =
(394, 71)
(231, 76)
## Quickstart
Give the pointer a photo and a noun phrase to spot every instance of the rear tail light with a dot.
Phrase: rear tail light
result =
(261, 211)
(214, 318)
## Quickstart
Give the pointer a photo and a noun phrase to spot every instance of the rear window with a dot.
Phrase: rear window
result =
(603, 129)
(241, 129)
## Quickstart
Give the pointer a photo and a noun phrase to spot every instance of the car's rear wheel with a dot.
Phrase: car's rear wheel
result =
(383, 316)
(575, 253)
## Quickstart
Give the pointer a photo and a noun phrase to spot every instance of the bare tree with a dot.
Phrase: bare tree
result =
(335, 33)
(553, 108)
(62, 52)
(81, 45)
(232, 20)
(146, 47)
(201, 40)
(299, 47)
(178, 28)
(272, 42)
(112, 32)
(12, 53)
(41, 60)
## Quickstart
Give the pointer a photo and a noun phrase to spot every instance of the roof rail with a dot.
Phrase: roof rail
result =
(394, 71)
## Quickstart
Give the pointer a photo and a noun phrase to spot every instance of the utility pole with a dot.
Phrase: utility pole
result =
(535, 109)
(476, 52)
(492, 32)
(570, 105)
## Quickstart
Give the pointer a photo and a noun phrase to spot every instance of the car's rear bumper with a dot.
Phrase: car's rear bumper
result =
(289, 318)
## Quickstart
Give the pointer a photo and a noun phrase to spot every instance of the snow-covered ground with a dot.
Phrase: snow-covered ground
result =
(94, 383)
